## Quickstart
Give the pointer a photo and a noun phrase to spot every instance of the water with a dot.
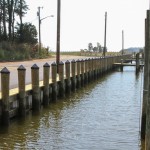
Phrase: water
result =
(103, 116)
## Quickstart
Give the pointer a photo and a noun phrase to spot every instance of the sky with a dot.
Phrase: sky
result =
(83, 21)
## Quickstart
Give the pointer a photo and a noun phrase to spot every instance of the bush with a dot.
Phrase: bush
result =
(11, 52)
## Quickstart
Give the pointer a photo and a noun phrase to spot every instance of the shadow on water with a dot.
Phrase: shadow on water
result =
(99, 116)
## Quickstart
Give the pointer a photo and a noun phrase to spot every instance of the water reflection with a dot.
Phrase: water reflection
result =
(102, 116)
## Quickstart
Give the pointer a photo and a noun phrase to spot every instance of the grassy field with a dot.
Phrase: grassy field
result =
(78, 53)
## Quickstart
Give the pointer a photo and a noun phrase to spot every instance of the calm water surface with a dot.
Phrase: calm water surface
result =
(103, 116)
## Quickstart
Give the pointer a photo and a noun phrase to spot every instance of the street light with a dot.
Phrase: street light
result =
(38, 14)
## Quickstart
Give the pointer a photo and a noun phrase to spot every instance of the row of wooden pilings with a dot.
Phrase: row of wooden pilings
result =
(72, 75)
(145, 117)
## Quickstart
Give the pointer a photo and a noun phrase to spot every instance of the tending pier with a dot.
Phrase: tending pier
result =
(72, 76)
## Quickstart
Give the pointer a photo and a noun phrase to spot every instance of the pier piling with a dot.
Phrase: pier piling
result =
(46, 91)
(5, 79)
(78, 73)
(73, 71)
(61, 80)
(54, 81)
(35, 88)
(68, 81)
(22, 92)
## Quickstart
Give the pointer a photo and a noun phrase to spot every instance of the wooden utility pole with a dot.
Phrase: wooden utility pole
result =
(58, 33)
(147, 137)
(145, 86)
(39, 15)
(122, 41)
(104, 51)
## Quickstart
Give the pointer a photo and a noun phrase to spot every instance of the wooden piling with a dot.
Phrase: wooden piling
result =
(89, 70)
(46, 91)
(73, 71)
(82, 72)
(54, 81)
(68, 80)
(61, 80)
(137, 63)
(78, 73)
(22, 92)
(5, 79)
(145, 86)
(86, 72)
(92, 68)
(121, 66)
(147, 138)
(35, 88)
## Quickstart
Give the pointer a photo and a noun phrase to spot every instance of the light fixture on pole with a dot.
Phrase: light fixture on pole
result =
(39, 15)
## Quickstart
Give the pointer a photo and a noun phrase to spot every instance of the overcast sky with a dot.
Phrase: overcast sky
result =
(82, 22)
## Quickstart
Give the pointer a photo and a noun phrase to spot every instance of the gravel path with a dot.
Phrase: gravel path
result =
(12, 67)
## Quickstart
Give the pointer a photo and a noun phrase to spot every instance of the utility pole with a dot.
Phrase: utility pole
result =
(104, 51)
(122, 41)
(39, 15)
(58, 34)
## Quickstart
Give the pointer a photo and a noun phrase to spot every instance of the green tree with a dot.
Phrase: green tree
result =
(21, 10)
(90, 46)
(29, 33)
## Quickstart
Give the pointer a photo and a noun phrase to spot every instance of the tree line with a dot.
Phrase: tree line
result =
(12, 28)
(97, 48)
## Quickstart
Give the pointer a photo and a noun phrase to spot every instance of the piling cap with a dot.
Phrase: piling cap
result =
(73, 61)
(5, 70)
(35, 66)
(46, 65)
(21, 67)
(67, 62)
(54, 64)
(61, 63)
(78, 60)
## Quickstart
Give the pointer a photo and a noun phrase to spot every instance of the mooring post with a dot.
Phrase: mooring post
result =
(97, 67)
(5, 79)
(146, 81)
(137, 62)
(94, 68)
(89, 70)
(147, 138)
(105, 64)
(35, 88)
(100, 66)
(54, 81)
(86, 72)
(82, 72)
(121, 66)
(78, 73)
(68, 81)
(61, 80)
(108, 63)
(46, 91)
(22, 92)
(73, 72)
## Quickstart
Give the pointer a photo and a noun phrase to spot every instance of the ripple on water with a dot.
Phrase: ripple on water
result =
(102, 116)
